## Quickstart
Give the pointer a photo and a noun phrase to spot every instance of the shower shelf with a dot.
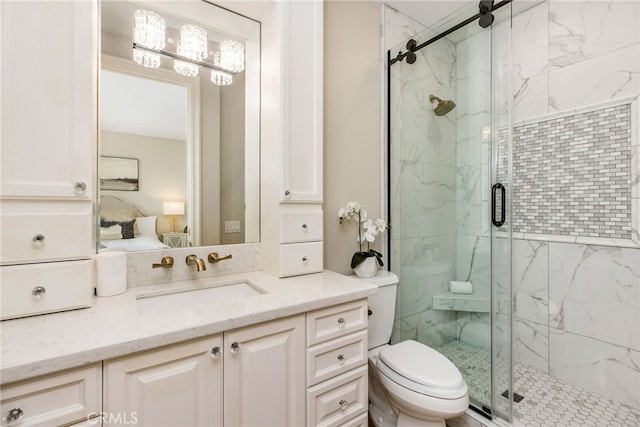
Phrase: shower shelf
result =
(462, 302)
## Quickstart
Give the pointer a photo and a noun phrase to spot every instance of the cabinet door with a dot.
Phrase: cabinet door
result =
(302, 68)
(179, 385)
(48, 58)
(265, 374)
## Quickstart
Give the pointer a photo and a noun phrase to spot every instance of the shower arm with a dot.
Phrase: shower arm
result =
(412, 45)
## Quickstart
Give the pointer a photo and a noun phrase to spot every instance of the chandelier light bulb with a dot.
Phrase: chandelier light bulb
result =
(231, 56)
(185, 68)
(221, 78)
(192, 43)
(149, 30)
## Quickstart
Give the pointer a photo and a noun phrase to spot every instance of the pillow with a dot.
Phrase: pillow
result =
(111, 233)
(147, 226)
(119, 215)
(127, 229)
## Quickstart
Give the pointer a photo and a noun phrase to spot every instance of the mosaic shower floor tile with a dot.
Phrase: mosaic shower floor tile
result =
(547, 402)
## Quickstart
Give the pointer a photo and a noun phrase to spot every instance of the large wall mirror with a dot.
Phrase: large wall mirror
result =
(179, 126)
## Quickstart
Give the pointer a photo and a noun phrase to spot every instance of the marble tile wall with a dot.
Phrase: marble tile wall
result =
(576, 307)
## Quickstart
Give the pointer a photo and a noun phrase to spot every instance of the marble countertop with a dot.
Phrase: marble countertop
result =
(113, 327)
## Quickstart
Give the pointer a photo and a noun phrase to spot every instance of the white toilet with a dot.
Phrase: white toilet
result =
(410, 384)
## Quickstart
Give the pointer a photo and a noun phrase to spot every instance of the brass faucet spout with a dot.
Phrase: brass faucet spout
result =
(200, 265)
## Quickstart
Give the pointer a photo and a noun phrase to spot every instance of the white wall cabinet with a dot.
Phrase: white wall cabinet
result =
(302, 101)
(48, 91)
(48, 62)
(292, 140)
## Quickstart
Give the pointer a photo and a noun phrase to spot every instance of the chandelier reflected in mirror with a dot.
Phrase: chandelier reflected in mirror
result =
(190, 49)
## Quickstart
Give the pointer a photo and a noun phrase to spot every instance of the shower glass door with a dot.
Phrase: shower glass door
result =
(446, 117)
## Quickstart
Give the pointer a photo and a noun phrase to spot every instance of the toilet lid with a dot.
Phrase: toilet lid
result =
(422, 369)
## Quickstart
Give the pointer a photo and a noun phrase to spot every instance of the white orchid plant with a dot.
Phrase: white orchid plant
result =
(368, 230)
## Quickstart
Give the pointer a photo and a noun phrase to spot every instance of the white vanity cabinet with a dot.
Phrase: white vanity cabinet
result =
(59, 399)
(48, 62)
(337, 365)
(179, 385)
(292, 215)
(259, 369)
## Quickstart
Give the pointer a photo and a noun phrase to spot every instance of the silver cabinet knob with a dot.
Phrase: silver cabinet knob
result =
(38, 291)
(340, 358)
(343, 404)
(341, 322)
(235, 347)
(13, 415)
(38, 239)
(80, 187)
(305, 227)
(216, 352)
(305, 259)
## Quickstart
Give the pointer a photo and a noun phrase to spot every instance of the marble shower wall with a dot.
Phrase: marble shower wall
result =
(576, 306)
(423, 182)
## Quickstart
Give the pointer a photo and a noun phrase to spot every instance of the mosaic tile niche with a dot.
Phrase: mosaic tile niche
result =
(572, 174)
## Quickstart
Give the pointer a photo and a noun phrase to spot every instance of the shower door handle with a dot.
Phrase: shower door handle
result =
(494, 190)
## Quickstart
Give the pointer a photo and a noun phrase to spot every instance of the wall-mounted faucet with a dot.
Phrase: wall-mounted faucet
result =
(192, 259)
(165, 262)
(215, 258)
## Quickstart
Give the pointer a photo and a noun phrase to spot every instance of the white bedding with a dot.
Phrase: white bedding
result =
(140, 243)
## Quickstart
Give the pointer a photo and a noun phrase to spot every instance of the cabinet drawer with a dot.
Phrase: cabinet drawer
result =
(55, 400)
(45, 288)
(301, 227)
(39, 237)
(361, 420)
(336, 357)
(336, 321)
(339, 399)
(300, 258)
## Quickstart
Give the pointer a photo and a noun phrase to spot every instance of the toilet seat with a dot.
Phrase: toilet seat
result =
(422, 369)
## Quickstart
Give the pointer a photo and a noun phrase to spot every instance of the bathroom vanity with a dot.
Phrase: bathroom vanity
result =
(293, 353)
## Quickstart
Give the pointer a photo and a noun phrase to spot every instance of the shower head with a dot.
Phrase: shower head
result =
(443, 107)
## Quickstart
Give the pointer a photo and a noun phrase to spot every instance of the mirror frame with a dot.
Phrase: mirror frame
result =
(239, 26)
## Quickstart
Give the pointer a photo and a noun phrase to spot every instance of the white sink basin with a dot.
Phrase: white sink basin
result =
(189, 299)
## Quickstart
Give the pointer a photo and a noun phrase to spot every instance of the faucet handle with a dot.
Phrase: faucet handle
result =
(215, 258)
(165, 262)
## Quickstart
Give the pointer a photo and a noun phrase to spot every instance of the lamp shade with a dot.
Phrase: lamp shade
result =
(173, 208)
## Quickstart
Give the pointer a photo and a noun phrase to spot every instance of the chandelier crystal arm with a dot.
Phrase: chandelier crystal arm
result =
(172, 55)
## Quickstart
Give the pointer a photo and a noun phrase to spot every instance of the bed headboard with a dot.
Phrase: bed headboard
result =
(112, 203)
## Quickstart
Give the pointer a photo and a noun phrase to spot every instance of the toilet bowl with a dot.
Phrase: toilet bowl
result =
(410, 384)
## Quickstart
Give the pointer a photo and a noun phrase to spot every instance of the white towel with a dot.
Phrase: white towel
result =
(460, 287)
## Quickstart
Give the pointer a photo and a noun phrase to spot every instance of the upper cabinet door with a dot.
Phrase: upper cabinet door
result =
(48, 63)
(302, 71)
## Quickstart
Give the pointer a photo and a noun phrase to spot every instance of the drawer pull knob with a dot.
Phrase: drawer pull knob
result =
(343, 404)
(80, 186)
(38, 239)
(341, 358)
(216, 352)
(38, 291)
(13, 415)
(305, 259)
(341, 322)
(287, 193)
(235, 347)
(305, 227)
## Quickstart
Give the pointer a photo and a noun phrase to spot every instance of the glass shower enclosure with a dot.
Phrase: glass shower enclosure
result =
(449, 172)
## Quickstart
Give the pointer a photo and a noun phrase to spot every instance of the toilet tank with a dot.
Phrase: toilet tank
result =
(382, 307)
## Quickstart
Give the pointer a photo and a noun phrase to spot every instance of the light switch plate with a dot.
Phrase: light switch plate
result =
(232, 226)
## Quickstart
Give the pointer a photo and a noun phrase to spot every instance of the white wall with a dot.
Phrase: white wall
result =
(352, 83)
